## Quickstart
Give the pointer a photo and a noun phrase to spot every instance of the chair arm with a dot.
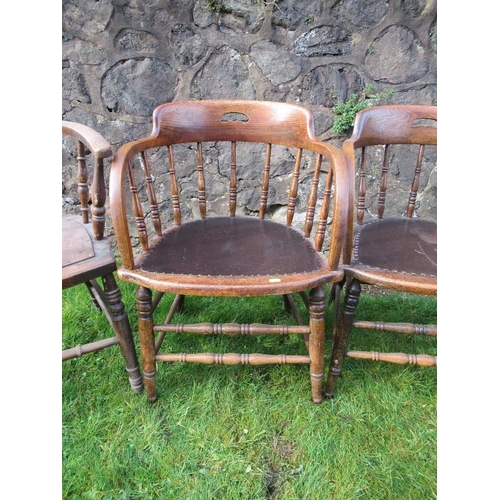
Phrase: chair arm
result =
(348, 150)
(341, 182)
(117, 200)
(95, 142)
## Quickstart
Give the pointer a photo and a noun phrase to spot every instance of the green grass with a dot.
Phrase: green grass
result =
(228, 432)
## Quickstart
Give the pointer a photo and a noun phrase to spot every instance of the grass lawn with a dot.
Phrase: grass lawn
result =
(231, 432)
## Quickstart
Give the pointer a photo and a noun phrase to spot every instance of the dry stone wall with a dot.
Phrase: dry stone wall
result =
(122, 58)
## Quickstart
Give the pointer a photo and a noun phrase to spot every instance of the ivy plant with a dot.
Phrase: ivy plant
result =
(216, 6)
(346, 111)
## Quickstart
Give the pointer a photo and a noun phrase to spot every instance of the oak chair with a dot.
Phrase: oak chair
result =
(388, 246)
(199, 236)
(87, 257)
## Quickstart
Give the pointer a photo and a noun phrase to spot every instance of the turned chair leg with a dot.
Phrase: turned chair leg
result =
(123, 332)
(147, 341)
(341, 335)
(317, 341)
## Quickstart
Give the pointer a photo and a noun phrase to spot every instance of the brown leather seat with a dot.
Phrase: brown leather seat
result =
(406, 246)
(213, 248)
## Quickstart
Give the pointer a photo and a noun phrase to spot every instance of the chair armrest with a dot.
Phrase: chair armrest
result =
(117, 198)
(341, 181)
(95, 142)
(350, 160)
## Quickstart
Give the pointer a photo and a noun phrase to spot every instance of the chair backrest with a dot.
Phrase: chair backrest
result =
(386, 155)
(88, 141)
(175, 173)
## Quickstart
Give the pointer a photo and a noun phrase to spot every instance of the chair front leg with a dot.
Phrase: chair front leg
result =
(317, 341)
(342, 335)
(123, 332)
(146, 340)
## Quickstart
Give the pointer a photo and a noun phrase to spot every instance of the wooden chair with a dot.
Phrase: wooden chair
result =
(389, 250)
(87, 256)
(199, 237)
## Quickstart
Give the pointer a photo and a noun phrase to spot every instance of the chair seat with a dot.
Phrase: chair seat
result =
(83, 257)
(396, 250)
(231, 254)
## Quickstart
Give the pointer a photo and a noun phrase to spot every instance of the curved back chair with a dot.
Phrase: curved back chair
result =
(199, 237)
(87, 257)
(386, 249)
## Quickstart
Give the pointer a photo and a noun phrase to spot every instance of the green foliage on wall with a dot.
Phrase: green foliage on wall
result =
(346, 111)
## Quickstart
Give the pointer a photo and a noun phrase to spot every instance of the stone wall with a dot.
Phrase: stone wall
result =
(121, 58)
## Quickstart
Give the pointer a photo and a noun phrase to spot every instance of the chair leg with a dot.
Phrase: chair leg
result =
(92, 292)
(317, 341)
(147, 341)
(123, 332)
(341, 336)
